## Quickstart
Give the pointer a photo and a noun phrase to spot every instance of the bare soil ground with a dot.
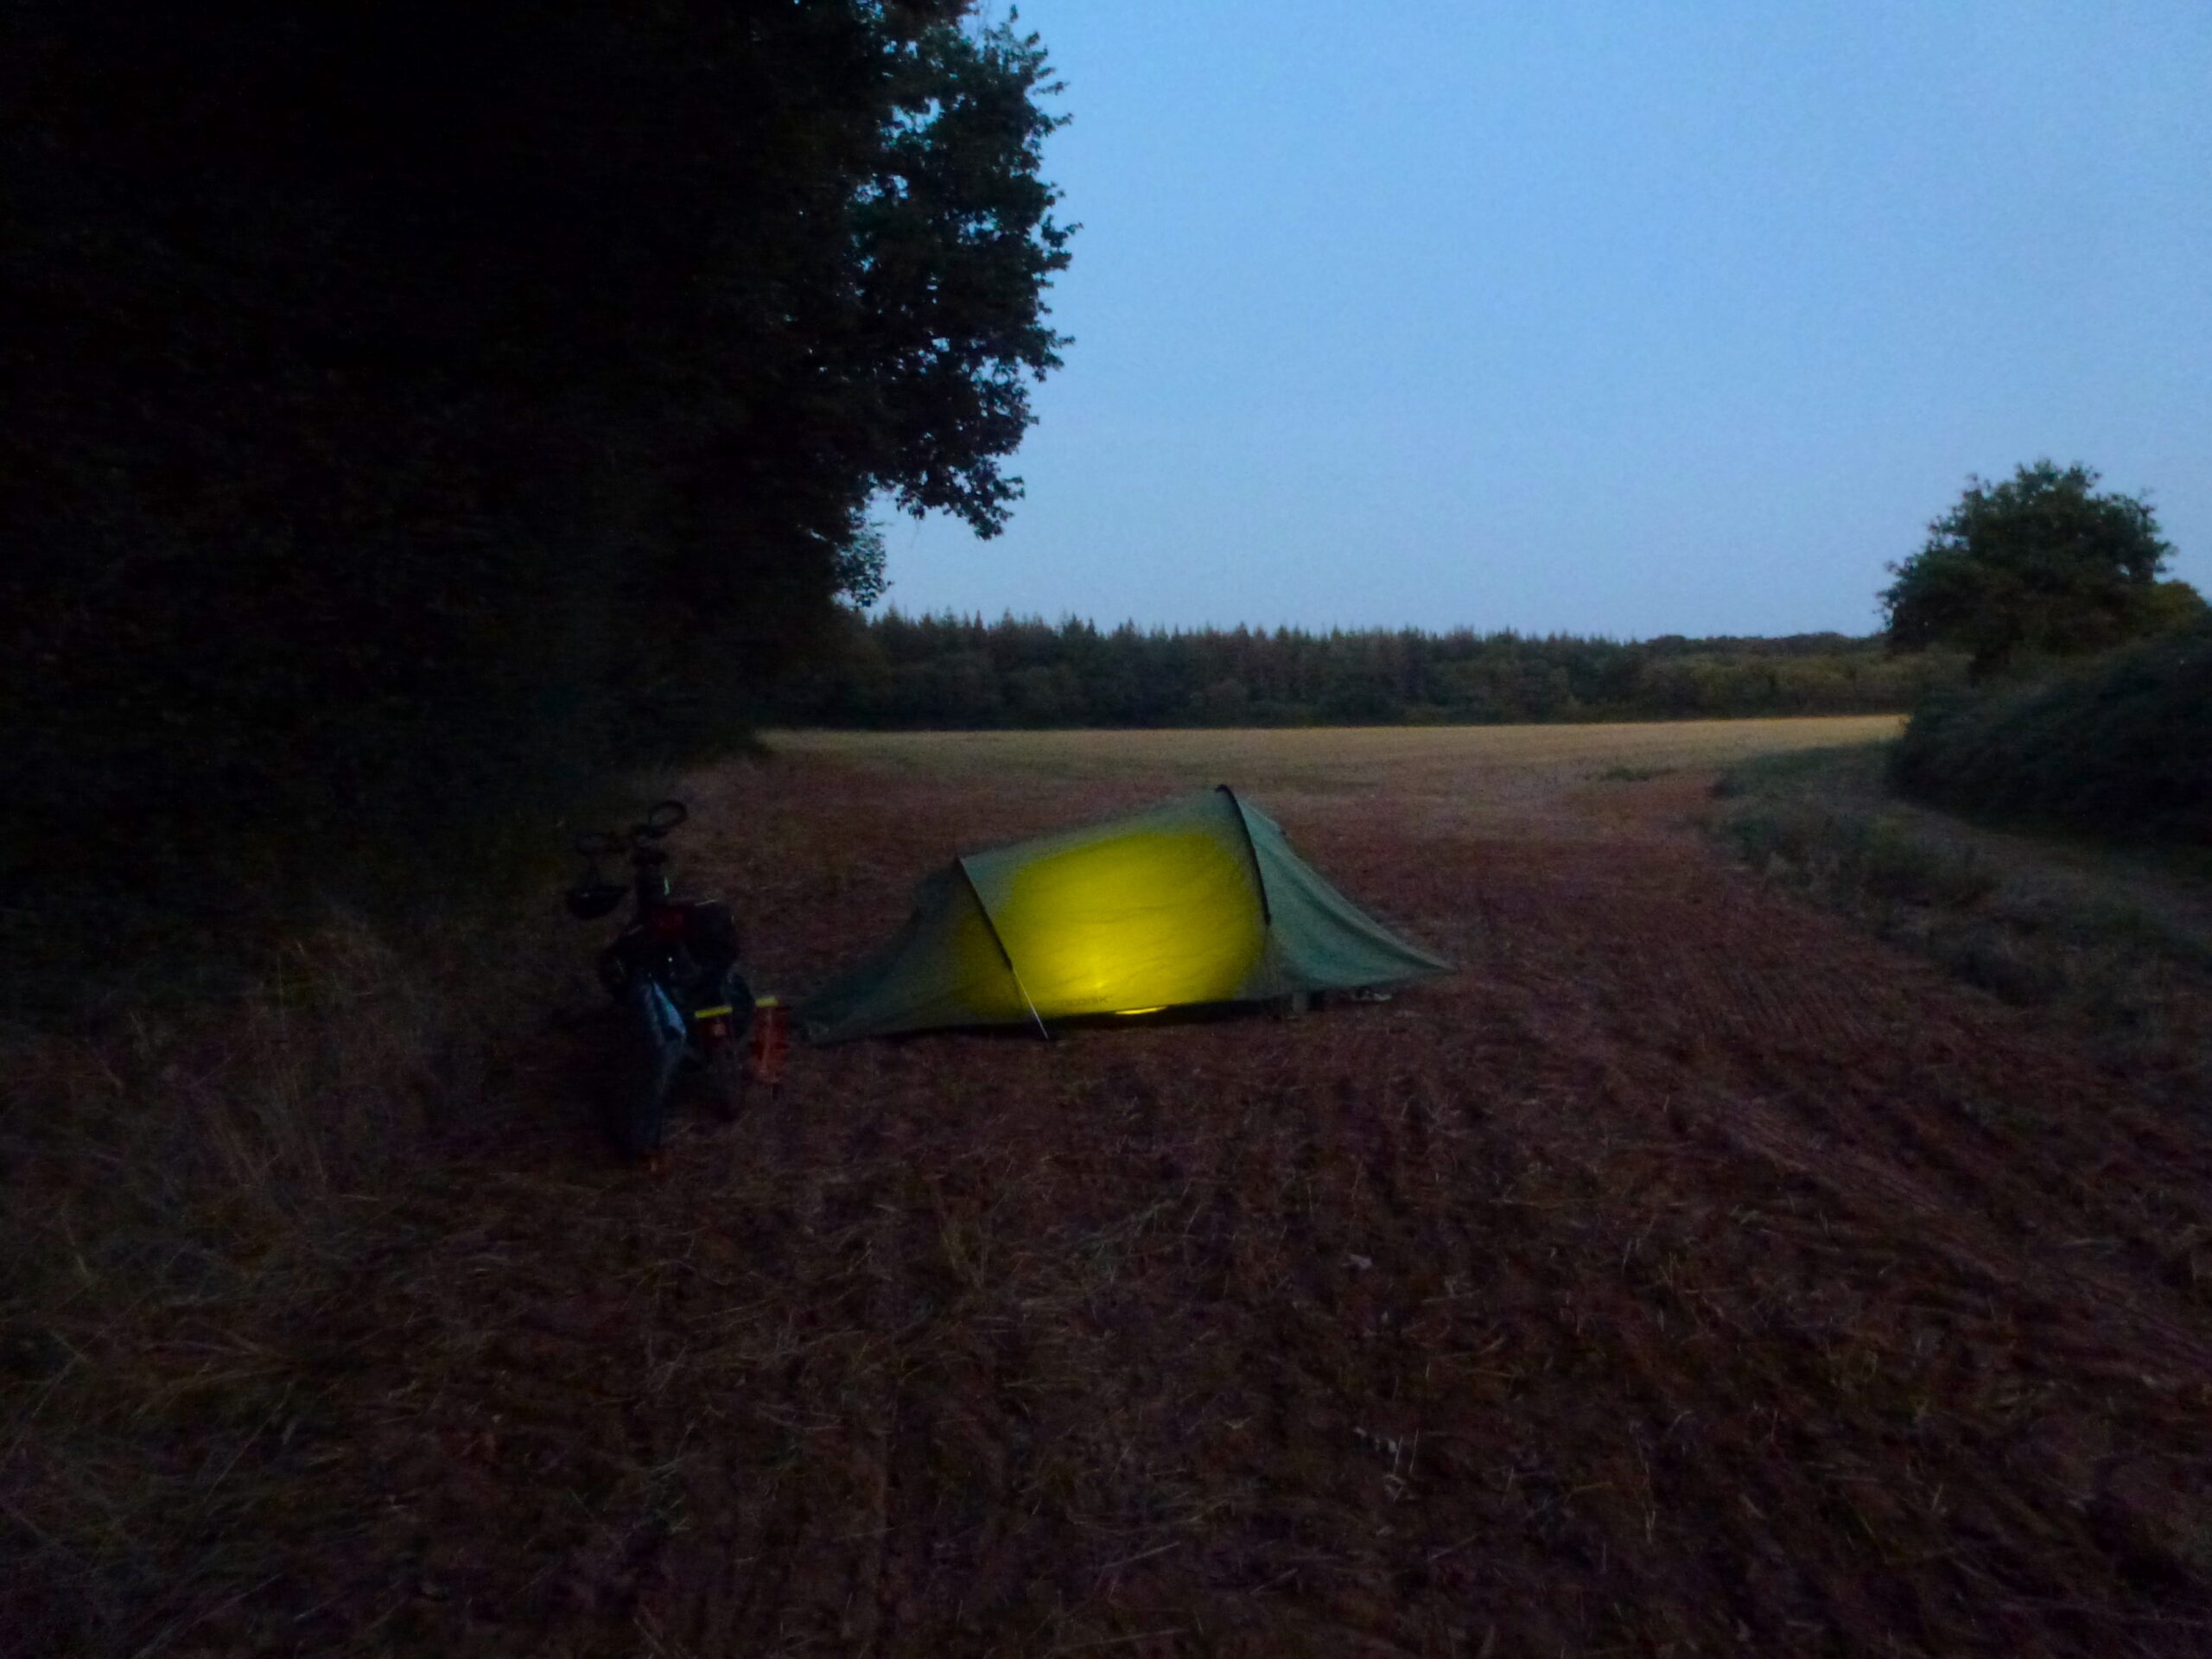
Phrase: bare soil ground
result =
(1688, 1273)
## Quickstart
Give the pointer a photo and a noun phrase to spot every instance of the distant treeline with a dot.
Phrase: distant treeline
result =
(940, 671)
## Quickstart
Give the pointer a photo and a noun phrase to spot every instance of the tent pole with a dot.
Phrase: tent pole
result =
(1033, 1014)
(1251, 851)
(1013, 973)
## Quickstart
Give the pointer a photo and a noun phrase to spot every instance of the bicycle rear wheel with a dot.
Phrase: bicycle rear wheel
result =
(721, 1040)
(727, 1079)
(645, 1072)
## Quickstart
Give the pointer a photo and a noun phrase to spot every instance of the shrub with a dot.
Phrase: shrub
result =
(2119, 746)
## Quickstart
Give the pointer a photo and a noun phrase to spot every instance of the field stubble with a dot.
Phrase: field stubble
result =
(1689, 1272)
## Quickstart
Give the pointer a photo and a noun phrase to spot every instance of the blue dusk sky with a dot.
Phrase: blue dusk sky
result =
(1623, 318)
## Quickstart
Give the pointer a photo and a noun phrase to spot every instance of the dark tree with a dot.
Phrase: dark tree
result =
(2042, 564)
(411, 401)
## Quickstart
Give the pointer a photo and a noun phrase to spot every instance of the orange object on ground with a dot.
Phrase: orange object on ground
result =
(772, 1041)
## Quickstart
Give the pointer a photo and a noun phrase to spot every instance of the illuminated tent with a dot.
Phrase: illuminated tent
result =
(1198, 900)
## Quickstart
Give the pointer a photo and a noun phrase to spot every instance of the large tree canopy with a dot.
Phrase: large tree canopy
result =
(404, 396)
(2042, 564)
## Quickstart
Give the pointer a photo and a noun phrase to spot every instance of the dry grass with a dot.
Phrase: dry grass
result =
(183, 1182)
(1689, 1273)
(1367, 758)
(2116, 941)
(1453, 780)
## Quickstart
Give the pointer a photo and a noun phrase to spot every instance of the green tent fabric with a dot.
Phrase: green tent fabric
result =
(1196, 900)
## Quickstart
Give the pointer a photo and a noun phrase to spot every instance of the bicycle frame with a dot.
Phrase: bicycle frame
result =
(675, 964)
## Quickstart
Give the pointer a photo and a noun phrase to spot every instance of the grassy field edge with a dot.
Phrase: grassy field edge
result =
(2119, 939)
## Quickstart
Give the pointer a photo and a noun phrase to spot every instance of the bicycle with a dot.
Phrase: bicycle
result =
(673, 969)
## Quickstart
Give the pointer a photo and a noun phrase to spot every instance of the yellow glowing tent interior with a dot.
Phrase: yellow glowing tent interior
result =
(1196, 900)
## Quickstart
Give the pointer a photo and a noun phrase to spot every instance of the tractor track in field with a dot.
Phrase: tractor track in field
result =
(1688, 1273)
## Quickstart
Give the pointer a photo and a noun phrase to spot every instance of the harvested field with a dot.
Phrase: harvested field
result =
(1688, 1273)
